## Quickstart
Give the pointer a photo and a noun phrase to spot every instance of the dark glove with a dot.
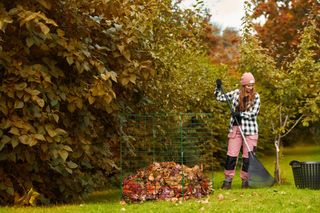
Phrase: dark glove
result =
(236, 116)
(218, 84)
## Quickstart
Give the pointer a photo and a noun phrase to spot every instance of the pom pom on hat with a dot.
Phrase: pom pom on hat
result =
(247, 78)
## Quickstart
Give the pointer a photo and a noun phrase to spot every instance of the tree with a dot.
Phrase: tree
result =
(286, 100)
(283, 25)
(223, 46)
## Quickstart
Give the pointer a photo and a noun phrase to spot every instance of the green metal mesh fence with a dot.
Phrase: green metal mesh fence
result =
(183, 138)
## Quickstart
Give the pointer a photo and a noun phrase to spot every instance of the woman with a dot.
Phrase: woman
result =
(245, 108)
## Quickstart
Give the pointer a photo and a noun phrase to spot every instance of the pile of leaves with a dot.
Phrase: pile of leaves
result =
(166, 181)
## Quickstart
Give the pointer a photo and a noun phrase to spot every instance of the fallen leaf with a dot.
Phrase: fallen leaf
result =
(174, 200)
(220, 197)
(206, 201)
(254, 194)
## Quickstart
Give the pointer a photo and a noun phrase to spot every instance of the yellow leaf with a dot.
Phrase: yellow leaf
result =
(63, 154)
(113, 76)
(3, 107)
(70, 60)
(28, 199)
(133, 78)
(106, 76)
(34, 198)
(14, 142)
(67, 148)
(109, 109)
(2, 26)
(14, 131)
(39, 137)
(30, 42)
(84, 141)
(32, 92)
(28, 18)
(46, 19)
(108, 99)
(56, 117)
(26, 97)
(91, 99)
(20, 86)
(127, 55)
(39, 101)
(50, 130)
(97, 90)
(18, 104)
(124, 81)
(3, 23)
(72, 165)
(20, 94)
(69, 170)
(21, 124)
(113, 94)
(27, 140)
(121, 48)
(60, 131)
(4, 141)
(60, 33)
(79, 103)
(44, 28)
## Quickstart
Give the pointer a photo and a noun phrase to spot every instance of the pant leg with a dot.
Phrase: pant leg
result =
(252, 143)
(234, 146)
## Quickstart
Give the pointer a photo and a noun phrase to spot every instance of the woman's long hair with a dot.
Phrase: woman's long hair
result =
(246, 99)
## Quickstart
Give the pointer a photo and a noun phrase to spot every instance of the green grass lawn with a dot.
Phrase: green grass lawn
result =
(279, 198)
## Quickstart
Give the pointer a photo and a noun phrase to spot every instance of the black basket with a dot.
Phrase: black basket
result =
(306, 174)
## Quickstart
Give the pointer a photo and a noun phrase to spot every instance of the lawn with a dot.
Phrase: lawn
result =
(279, 198)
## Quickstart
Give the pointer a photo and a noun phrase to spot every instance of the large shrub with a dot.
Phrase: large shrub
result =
(68, 69)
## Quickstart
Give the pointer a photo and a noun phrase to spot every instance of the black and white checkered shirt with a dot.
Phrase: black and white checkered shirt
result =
(249, 123)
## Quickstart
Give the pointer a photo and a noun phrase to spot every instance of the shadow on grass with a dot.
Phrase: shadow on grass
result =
(110, 196)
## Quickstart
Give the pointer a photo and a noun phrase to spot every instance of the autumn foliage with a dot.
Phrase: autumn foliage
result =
(283, 24)
(68, 70)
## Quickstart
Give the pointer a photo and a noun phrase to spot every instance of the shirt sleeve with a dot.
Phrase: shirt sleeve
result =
(221, 97)
(254, 110)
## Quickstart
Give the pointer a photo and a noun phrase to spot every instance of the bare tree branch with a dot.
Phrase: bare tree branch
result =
(295, 124)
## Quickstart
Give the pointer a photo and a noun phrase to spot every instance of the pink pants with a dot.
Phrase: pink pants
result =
(235, 143)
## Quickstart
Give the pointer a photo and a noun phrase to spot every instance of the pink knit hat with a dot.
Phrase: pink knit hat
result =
(247, 78)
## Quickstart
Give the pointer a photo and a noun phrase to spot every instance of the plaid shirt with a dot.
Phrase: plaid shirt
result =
(249, 123)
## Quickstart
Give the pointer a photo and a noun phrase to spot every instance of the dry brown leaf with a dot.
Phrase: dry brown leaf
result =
(220, 197)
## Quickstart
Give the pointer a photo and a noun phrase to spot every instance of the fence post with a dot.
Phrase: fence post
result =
(181, 154)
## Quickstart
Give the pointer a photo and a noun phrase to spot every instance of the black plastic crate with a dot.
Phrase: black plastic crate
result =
(306, 174)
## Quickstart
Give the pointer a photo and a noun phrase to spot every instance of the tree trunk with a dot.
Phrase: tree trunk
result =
(277, 166)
